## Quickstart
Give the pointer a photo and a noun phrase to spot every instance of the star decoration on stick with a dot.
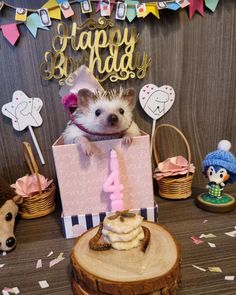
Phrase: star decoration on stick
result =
(24, 112)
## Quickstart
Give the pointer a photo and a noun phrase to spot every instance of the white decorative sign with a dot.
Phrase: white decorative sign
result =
(24, 112)
(156, 101)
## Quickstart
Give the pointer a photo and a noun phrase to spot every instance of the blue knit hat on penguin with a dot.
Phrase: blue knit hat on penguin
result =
(222, 157)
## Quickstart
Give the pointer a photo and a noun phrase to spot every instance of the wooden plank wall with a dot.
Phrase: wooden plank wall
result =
(196, 57)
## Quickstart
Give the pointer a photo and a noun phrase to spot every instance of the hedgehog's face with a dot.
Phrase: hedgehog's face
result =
(109, 115)
(217, 175)
(108, 112)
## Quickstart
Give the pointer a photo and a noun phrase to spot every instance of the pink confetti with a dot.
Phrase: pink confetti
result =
(205, 221)
(196, 240)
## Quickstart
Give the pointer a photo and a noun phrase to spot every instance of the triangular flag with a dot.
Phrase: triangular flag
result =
(151, 7)
(131, 10)
(211, 4)
(196, 5)
(54, 10)
(33, 24)
(11, 33)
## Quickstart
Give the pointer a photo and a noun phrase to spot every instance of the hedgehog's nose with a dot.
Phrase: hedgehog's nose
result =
(10, 242)
(112, 119)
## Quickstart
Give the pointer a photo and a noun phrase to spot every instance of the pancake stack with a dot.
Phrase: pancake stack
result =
(123, 230)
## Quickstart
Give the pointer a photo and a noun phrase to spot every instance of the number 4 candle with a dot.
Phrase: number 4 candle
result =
(112, 184)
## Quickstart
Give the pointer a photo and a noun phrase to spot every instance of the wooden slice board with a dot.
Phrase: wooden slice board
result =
(157, 271)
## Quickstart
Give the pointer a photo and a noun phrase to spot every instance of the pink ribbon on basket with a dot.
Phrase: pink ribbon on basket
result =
(173, 166)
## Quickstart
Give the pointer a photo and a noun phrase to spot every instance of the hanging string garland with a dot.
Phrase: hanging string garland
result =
(41, 18)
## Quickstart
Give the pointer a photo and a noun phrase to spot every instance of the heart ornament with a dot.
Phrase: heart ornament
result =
(156, 101)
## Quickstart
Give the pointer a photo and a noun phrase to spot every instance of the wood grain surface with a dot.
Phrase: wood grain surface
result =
(196, 57)
(36, 238)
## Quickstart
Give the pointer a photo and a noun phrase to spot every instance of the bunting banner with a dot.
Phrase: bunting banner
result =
(131, 9)
(124, 9)
(33, 23)
(10, 32)
(196, 5)
(211, 4)
(66, 9)
(152, 8)
(173, 6)
(53, 9)
(112, 4)
(21, 14)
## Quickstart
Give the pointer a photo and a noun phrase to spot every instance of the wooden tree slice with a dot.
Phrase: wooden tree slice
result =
(157, 271)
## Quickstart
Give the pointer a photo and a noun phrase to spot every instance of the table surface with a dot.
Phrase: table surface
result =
(37, 238)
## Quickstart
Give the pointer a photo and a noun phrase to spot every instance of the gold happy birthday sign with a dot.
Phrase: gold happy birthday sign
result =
(105, 49)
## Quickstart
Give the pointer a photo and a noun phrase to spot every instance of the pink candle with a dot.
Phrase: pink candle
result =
(112, 184)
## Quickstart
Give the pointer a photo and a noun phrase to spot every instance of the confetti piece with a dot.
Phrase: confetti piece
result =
(8, 291)
(205, 221)
(14, 290)
(199, 268)
(55, 261)
(1, 265)
(215, 269)
(207, 236)
(43, 284)
(229, 278)
(231, 234)
(212, 245)
(60, 255)
(50, 253)
(39, 263)
(196, 240)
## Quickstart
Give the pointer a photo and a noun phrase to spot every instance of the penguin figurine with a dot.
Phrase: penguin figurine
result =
(219, 167)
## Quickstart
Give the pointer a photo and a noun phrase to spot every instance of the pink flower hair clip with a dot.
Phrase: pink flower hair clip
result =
(70, 102)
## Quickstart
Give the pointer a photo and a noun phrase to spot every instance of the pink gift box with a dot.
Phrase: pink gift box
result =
(81, 178)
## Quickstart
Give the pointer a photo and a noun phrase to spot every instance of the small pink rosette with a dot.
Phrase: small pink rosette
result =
(27, 185)
(173, 167)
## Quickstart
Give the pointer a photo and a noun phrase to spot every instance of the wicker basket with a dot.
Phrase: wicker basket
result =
(42, 203)
(174, 187)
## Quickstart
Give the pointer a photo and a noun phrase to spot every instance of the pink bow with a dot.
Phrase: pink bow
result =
(70, 101)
